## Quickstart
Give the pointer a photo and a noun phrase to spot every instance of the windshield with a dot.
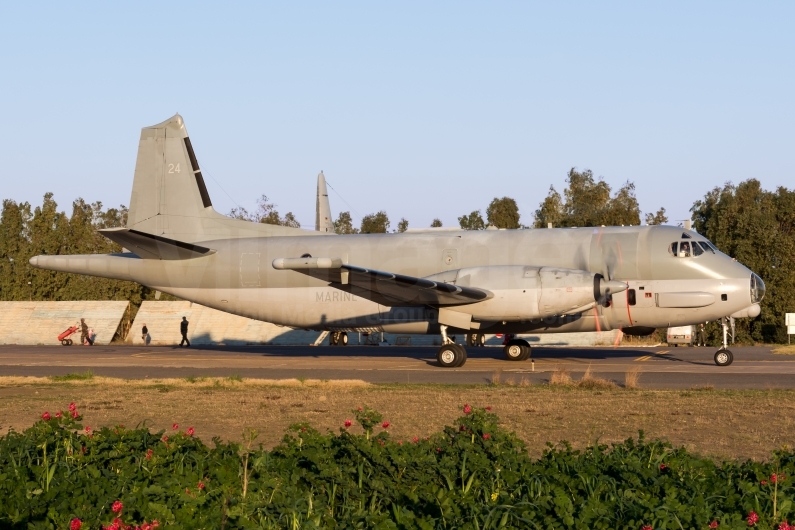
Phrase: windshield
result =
(757, 289)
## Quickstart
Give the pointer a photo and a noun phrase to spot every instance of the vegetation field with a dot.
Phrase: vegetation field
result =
(366, 470)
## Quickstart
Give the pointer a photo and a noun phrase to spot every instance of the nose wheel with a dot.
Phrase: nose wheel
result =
(723, 357)
(517, 350)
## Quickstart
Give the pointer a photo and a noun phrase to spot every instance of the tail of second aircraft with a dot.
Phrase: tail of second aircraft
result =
(169, 196)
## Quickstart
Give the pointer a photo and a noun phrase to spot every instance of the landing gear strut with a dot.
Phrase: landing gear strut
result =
(517, 350)
(476, 339)
(450, 355)
(723, 357)
(338, 338)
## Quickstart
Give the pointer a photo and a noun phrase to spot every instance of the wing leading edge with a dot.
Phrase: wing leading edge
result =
(398, 287)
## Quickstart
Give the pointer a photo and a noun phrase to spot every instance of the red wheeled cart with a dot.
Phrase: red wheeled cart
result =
(64, 337)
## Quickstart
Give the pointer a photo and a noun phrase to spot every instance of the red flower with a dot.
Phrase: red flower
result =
(201, 485)
(164, 438)
(75, 524)
(88, 429)
(784, 526)
(58, 414)
(488, 408)
(360, 409)
(117, 507)
(646, 527)
(415, 440)
(713, 524)
(175, 426)
(462, 428)
(400, 442)
(72, 407)
(467, 409)
(348, 423)
(149, 454)
(75, 414)
(190, 431)
(663, 467)
(763, 482)
(386, 425)
(486, 436)
(45, 416)
(83, 449)
(752, 519)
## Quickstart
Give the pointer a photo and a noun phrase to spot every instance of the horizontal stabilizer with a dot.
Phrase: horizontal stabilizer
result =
(395, 287)
(150, 246)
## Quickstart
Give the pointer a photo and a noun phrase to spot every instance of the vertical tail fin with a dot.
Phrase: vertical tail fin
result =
(323, 222)
(168, 192)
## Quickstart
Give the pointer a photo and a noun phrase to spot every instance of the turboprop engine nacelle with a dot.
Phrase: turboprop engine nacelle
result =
(525, 293)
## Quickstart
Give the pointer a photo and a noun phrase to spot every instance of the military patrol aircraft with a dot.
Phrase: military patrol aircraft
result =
(434, 282)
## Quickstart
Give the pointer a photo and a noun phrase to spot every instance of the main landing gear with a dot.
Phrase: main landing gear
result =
(338, 338)
(517, 350)
(723, 357)
(450, 355)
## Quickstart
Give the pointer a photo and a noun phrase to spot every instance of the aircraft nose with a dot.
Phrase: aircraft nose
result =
(34, 261)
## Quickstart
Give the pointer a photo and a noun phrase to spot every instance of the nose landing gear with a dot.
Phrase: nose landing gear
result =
(723, 357)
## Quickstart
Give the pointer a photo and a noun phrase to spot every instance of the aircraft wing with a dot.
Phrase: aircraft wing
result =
(150, 246)
(397, 287)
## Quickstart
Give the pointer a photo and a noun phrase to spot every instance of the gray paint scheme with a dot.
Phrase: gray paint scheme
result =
(323, 220)
(544, 280)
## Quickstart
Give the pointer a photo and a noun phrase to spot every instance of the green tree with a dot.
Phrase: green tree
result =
(658, 218)
(473, 221)
(265, 213)
(587, 202)
(436, 223)
(375, 223)
(344, 224)
(503, 213)
(403, 225)
(757, 227)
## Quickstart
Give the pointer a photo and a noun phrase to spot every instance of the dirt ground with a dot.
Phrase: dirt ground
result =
(721, 424)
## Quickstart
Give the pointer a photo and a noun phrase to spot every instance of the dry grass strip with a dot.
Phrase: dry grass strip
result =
(718, 423)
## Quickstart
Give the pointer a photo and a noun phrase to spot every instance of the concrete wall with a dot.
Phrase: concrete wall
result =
(210, 326)
(32, 323)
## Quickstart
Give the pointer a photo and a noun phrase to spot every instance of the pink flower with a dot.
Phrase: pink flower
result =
(784, 526)
(175, 426)
(45, 416)
(348, 423)
(72, 407)
(88, 429)
(386, 425)
(58, 415)
(467, 409)
(713, 524)
(190, 431)
(763, 482)
(75, 414)
(201, 485)
(75, 524)
(117, 507)
(486, 436)
(752, 519)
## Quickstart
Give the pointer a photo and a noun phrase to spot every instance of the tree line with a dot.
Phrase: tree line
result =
(754, 225)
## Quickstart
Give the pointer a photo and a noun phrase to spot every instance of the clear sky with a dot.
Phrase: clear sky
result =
(422, 109)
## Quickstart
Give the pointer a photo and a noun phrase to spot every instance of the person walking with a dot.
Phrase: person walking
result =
(144, 333)
(85, 336)
(183, 328)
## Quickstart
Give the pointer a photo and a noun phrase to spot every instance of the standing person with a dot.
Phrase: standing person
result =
(183, 328)
(144, 333)
(702, 334)
(85, 336)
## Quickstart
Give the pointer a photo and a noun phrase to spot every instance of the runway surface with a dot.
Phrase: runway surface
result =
(661, 367)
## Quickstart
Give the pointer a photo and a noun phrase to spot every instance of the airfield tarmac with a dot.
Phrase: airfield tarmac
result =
(661, 367)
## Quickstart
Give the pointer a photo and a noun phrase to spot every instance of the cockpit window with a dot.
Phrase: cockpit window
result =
(684, 249)
(685, 235)
(697, 250)
(757, 289)
(672, 248)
